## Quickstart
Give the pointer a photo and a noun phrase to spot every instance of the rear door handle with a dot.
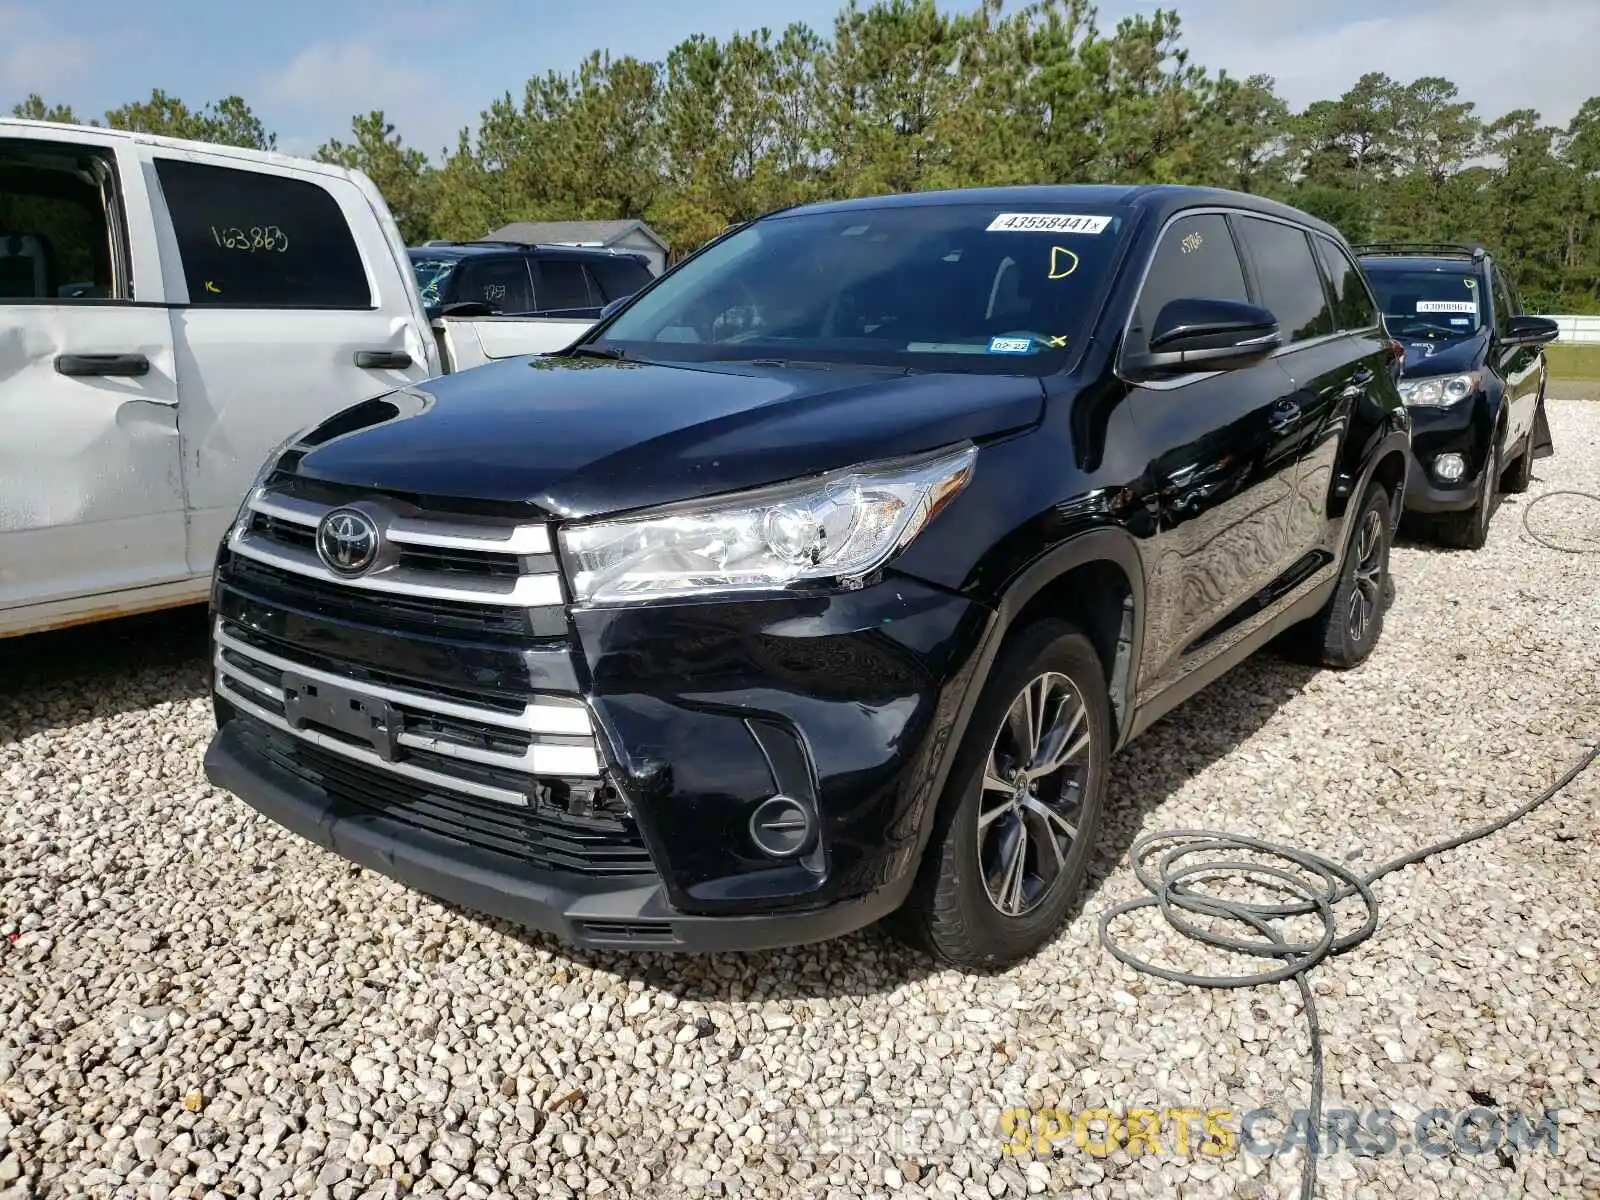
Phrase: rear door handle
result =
(395, 360)
(1361, 377)
(102, 364)
(1283, 416)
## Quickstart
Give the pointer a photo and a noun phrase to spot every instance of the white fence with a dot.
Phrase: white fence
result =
(1578, 329)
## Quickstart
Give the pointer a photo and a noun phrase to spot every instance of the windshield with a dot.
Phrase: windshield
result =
(431, 275)
(949, 287)
(1426, 301)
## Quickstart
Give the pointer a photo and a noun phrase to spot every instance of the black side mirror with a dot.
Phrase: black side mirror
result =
(1530, 331)
(468, 308)
(1201, 334)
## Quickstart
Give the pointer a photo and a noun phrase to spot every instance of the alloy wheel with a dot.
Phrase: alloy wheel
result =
(1032, 793)
(1368, 592)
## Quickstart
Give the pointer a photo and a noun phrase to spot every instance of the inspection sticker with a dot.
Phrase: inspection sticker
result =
(1447, 306)
(1010, 345)
(1047, 223)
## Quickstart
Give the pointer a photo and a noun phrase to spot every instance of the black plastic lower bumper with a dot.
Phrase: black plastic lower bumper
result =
(1424, 494)
(628, 914)
(1457, 429)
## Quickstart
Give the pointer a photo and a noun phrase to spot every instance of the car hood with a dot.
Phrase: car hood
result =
(1425, 359)
(580, 437)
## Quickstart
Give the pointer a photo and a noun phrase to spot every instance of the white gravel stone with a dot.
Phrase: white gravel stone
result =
(195, 1003)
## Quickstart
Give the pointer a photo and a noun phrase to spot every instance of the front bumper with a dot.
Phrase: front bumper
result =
(1459, 429)
(632, 915)
(701, 712)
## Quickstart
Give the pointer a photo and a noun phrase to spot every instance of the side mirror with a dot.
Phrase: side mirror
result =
(613, 306)
(468, 308)
(1530, 331)
(1200, 334)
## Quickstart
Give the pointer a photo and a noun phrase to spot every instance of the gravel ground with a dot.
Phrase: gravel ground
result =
(196, 1003)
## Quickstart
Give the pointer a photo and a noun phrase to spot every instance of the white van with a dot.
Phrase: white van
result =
(169, 312)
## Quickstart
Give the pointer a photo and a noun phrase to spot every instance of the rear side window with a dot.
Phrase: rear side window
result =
(55, 229)
(501, 283)
(1195, 260)
(248, 239)
(1352, 303)
(1287, 277)
(618, 277)
(562, 284)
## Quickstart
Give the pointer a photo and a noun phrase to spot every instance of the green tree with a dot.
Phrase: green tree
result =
(228, 121)
(35, 109)
(401, 173)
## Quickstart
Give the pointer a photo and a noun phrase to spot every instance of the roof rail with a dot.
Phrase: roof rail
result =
(1473, 250)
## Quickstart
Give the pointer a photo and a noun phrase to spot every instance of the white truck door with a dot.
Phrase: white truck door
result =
(290, 306)
(91, 495)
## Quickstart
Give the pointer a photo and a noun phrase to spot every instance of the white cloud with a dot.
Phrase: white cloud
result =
(34, 58)
(313, 96)
(1533, 54)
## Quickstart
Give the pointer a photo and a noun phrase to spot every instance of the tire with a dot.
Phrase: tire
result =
(1519, 476)
(1334, 637)
(1470, 530)
(957, 909)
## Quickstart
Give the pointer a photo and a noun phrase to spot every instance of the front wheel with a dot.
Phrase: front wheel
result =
(1519, 476)
(1016, 826)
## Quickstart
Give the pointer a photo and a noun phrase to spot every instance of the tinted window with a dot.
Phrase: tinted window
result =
(502, 283)
(966, 287)
(1352, 304)
(1196, 259)
(248, 238)
(1505, 307)
(562, 284)
(1287, 278)
(618, 277)
(55, 239)
(1423, 301)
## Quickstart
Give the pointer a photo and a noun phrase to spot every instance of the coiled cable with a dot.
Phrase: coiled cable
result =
(1197, 854)
(1591, 544)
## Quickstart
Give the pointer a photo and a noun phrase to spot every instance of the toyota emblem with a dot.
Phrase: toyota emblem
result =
(347, 541)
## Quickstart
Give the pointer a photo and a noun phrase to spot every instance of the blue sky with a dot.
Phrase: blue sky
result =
(306, 65)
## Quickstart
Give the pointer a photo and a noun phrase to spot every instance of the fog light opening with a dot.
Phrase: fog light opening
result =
(781, 827)
(1449, 467)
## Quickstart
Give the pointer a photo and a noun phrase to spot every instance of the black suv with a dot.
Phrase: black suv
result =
(1474, 379)
(514, 278)
(821, 581)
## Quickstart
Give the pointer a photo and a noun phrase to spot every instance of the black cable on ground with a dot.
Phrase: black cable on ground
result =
(1197, 854)
(1593, 543)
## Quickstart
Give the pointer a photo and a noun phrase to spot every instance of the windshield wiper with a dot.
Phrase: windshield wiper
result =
(589, 351)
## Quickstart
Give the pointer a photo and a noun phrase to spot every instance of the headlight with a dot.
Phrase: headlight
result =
(1440, 390)
(838, 527)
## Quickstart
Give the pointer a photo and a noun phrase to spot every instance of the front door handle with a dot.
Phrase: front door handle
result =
(1361, 377)
(395, 360)
(102, 364)
(1283, 417)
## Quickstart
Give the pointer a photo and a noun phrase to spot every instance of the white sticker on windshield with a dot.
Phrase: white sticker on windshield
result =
(1447, 306)
(1461, 320)
(1047, 223)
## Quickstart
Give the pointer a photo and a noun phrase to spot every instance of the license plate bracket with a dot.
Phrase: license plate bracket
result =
(315, 702)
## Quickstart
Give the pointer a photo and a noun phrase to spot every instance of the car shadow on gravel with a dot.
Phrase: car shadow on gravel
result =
(86, 672)
(872, 962)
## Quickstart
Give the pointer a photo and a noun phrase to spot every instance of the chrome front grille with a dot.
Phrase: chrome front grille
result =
(492, 753)
(466, 560)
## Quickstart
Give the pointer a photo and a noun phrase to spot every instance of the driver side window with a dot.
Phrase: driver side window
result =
(1196, 258)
